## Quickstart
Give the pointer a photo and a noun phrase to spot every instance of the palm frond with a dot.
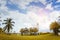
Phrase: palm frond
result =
(4, 23)
(12, 22)
(5, 20)
(4, 28)
(8, 24)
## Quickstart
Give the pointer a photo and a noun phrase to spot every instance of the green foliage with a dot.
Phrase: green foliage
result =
(55, 26)
(8, 24)
(30, 31)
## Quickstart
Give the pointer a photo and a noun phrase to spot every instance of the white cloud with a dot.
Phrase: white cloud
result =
(34, 15)
(43, 1)
(3, 8)
(3, 2)
(49, 7)
(44, 17)
(22, 20)
(54, 15)
(58, 1)
(21, 3)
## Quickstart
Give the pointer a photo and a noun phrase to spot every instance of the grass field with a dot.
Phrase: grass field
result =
(38, 37)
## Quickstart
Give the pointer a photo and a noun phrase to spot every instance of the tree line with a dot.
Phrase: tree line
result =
(29, 31)
(32, 31)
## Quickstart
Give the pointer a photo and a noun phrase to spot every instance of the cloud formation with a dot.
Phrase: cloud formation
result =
(27, 13)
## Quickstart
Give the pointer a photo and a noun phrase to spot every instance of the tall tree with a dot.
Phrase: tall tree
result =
(35, 30)
(8, 24)
(31, 31)
(22, 31)
(54, 26)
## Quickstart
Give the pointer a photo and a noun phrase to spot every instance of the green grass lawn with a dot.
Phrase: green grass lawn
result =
(38, 37)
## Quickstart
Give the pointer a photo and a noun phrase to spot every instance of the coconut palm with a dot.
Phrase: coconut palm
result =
(0, 30)
(8, 24)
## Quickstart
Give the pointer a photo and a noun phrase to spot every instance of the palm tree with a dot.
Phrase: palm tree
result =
(0, 30)
(8, 24)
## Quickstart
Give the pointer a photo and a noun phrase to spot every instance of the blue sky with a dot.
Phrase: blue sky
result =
(27, 13)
